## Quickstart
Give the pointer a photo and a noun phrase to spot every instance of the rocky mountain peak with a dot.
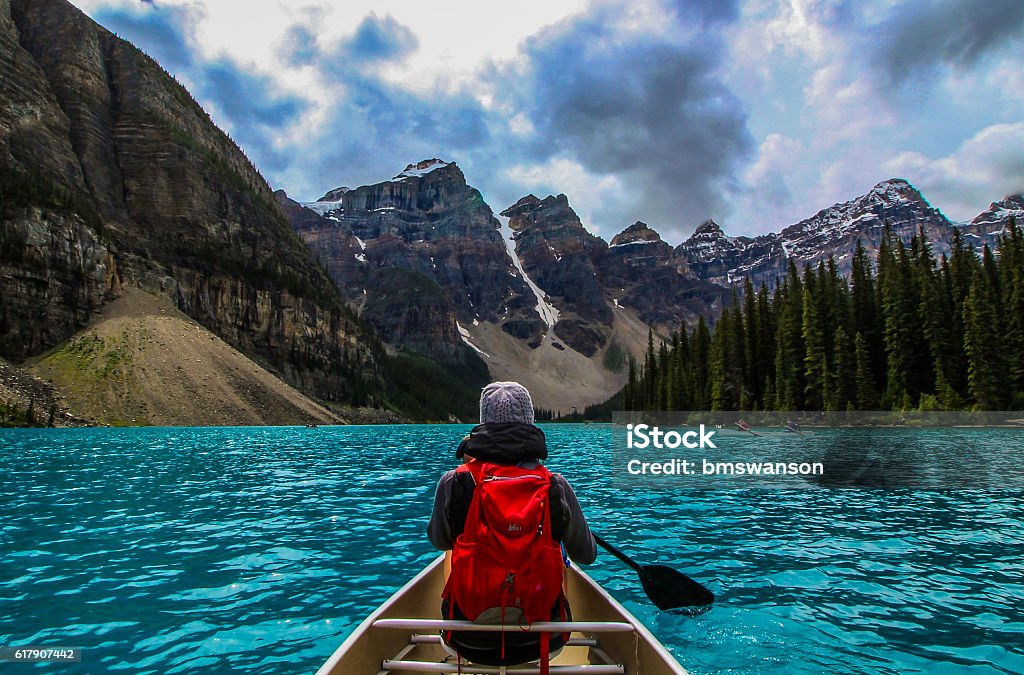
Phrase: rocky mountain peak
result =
(891, 192)
(636, 233)
(998, 214)
(421, 169)
(552, 211)
(334, 195)
(709, 229)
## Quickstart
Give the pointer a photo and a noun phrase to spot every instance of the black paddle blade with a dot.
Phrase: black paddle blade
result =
(670, 589)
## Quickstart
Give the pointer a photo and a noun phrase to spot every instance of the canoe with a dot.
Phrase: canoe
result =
(736, 433)
(403, 636)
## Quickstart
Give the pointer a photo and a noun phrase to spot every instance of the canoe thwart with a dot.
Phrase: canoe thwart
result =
(466, 669)
(432, 625)
(436, 640)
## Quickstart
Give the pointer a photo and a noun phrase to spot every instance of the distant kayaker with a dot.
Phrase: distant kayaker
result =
(508, 523)
(792, 427)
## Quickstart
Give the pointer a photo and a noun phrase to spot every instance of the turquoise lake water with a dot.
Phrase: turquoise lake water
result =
(258, 549)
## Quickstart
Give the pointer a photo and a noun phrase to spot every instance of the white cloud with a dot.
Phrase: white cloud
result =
(818, 108)
(989, 163)
(586, 191)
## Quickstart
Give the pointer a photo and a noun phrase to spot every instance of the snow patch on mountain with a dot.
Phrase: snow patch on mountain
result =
(323, 208)
(468, 339)
(421, 169)
(545, 310)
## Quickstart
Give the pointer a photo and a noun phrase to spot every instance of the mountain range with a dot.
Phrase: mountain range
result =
(113, 177)
(541, 299)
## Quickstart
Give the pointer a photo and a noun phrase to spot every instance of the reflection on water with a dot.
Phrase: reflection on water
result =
(221, 550)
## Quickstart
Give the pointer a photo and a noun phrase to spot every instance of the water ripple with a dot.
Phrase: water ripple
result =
(229, 550)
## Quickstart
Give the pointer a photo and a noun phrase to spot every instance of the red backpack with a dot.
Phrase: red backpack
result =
(506, 559)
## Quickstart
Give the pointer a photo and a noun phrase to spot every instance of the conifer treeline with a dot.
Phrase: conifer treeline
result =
(907, 332)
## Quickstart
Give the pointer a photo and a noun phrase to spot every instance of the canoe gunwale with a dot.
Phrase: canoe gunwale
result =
(613, 620)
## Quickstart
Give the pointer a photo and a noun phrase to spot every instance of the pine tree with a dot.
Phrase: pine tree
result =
(679, 398)
(865, 302)
(663, 378)
(844, 371)
(815, 361)
(790, 350)
(700, 376)
(899, 320)
(719, 395)
(1011, 259)
(650, 377)
(766, 348)
(752, 358)
(957, 278)
(736, 358)
(867, 391)
(985, 367)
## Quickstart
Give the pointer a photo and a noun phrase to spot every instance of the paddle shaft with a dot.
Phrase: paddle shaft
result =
(617, 553)
(747, 429)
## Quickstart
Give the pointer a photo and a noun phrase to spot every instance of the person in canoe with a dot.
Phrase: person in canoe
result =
(792, 427)
(510, 527)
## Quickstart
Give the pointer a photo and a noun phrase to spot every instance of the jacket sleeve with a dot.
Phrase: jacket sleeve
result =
(579, 542)
(439, 530)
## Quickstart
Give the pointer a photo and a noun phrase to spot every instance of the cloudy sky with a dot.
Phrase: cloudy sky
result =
(756, 113)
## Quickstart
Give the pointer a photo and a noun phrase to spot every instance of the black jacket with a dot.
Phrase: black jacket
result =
(508, 444)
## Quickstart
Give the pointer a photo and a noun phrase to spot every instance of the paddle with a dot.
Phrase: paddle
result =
(747, 429)
(666, 587)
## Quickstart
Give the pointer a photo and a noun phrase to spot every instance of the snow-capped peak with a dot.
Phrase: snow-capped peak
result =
(892, 191)
(708, 229)
(999, 213)
(637, 233)
(421, 169)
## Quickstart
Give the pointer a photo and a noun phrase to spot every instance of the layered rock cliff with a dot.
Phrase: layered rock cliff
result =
(418, 256)
(640, 271)
(114, 175)
(558, 254)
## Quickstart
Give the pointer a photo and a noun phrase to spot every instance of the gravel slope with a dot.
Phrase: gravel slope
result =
(146, 363)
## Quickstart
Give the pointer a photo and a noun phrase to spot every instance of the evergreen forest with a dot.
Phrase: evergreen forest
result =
(905, 331)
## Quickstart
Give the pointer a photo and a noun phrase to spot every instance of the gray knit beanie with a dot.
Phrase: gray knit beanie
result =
(503, 402)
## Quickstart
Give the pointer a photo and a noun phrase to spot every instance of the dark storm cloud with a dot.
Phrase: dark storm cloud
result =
(247, 99)
(652, 112)
(916, 38)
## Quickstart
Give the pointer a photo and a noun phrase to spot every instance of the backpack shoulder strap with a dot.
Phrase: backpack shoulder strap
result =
(463, 487)
(559, 518)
